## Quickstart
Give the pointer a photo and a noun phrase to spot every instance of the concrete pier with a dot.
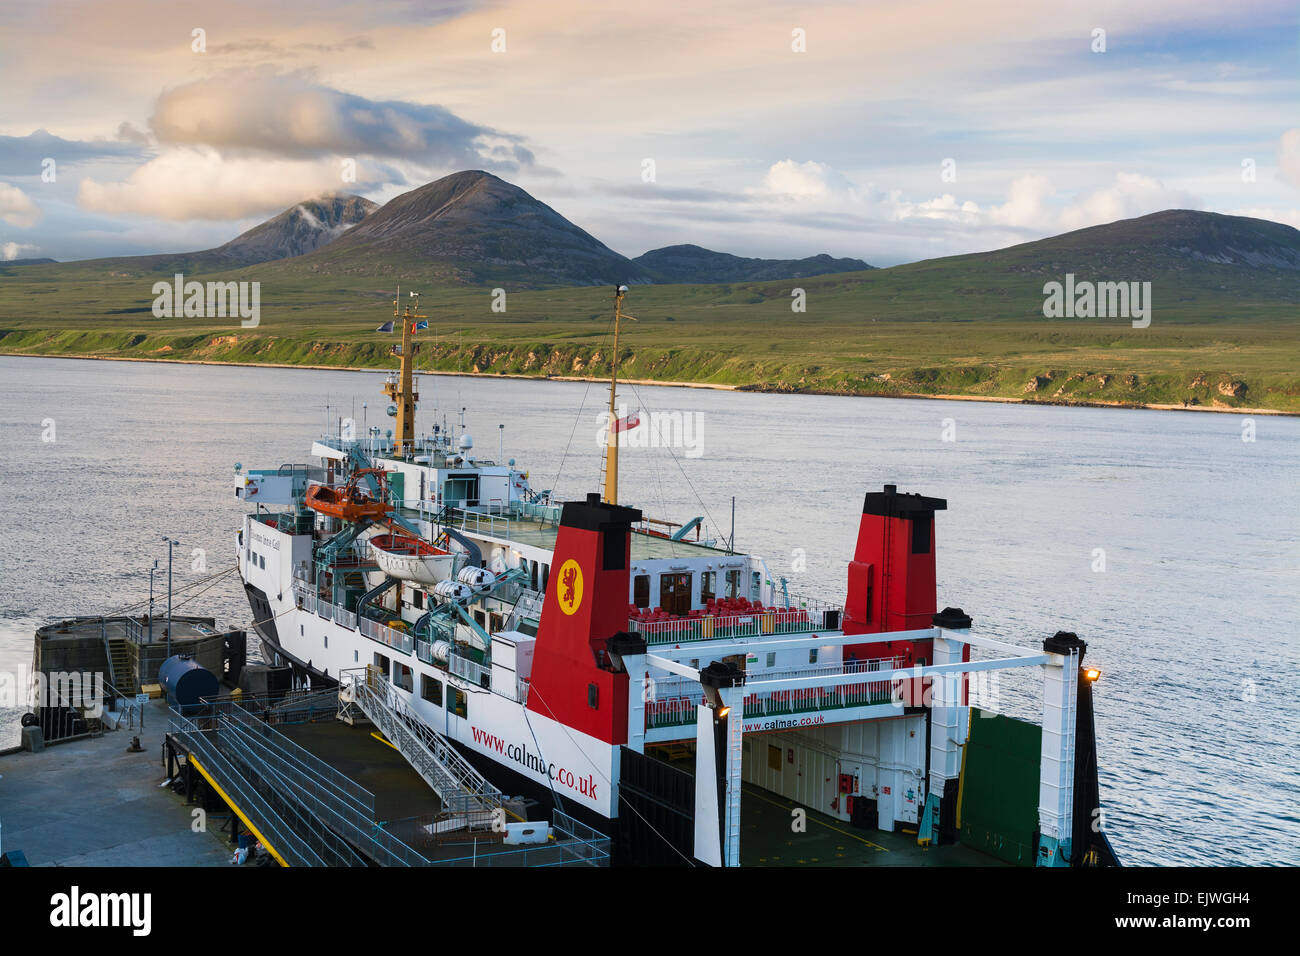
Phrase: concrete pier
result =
(91, 803)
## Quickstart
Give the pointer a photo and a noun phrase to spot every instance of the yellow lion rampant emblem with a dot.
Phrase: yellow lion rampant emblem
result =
(570, 590)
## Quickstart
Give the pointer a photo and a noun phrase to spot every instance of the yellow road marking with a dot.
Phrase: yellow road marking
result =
(238, 812)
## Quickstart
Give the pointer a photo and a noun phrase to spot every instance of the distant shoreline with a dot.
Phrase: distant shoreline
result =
(1002, 400)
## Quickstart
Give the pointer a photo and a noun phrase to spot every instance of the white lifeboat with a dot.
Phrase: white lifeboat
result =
(407, 558)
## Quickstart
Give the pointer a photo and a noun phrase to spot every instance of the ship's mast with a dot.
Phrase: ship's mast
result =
(611, 440)
(402, 391)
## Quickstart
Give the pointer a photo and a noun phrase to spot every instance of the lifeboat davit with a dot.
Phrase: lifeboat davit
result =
(349, 502)
(410, 559)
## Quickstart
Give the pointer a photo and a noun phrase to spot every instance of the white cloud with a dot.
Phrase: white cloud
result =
(17, 208)
(803, 181)
(12, 250)
(1130, 195)
(1288, 156)
(291, 115)
(1026, 205)
(1032, 202)
(200, 184)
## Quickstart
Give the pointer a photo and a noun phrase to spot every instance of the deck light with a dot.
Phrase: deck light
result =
(1090, 674)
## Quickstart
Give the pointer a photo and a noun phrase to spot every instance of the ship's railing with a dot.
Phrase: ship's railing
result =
(380, 633)
(527, 606)
(471, 671)
(305, 598)
(673, 700)
(768, 621)
(424, 652)
(397, 640)
(546, 514)
(484, 522)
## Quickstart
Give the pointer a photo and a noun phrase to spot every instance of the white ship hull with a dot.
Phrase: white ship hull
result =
(573, 765)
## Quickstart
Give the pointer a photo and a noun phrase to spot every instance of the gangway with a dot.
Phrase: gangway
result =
(467, 798)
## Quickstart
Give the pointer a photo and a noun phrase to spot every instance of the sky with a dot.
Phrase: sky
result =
(886, 131)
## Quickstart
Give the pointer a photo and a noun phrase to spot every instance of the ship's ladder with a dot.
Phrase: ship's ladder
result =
(468, 799)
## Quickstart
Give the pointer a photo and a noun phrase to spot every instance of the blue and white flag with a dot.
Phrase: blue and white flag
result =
(420, 326)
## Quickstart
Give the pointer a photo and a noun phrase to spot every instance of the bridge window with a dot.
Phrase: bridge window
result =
(641, 590)
(431, 689)
(708, 586)
(733, 584)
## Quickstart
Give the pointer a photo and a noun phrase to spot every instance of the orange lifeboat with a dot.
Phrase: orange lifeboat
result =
(349, 502)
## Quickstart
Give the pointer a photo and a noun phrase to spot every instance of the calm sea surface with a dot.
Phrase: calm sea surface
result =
(1193, 619)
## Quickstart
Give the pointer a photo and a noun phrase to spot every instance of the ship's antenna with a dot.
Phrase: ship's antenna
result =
(611, 440)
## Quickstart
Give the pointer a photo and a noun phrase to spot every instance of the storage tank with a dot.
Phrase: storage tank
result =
(185, 680)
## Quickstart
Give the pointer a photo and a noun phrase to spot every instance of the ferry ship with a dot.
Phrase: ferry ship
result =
(633, 672)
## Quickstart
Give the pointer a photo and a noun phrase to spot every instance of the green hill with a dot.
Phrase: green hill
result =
(1223, 329)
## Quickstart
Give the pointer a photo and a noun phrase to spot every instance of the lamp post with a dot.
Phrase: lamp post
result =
(151, 571)
(170, 542)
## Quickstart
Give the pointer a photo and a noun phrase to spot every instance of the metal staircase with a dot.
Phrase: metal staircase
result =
(119, 665)
(468, 800)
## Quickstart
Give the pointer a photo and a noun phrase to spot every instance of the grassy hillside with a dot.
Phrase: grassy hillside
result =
(1222, 334)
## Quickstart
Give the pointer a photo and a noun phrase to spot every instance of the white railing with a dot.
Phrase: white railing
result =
(484, 523)
(546, 514)
(397, 640)
(388, 636)
(471, 671)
